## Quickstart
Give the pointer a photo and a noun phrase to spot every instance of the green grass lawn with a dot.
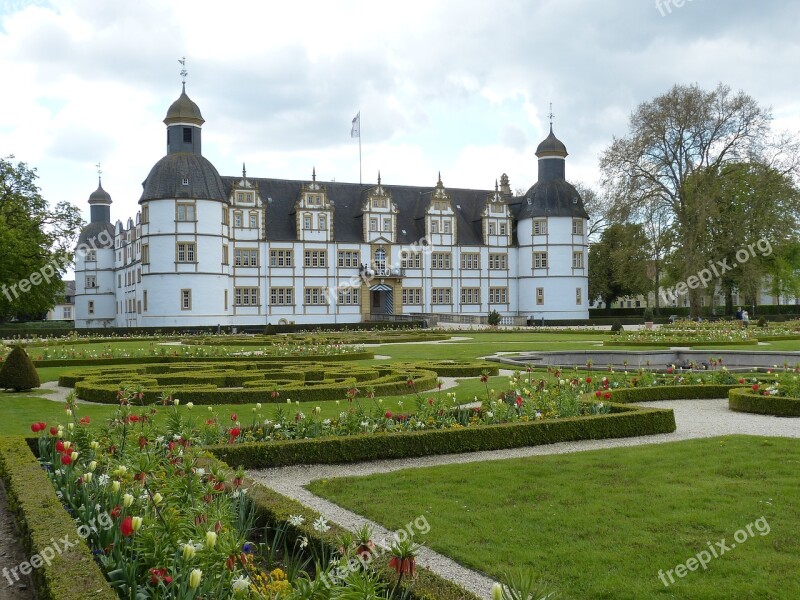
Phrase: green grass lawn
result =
(602, 524)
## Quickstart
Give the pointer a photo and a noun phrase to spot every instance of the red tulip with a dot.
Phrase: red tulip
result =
(66, 459)
(519, 401)
(755, 387)
(607, 395)
(741, 381)
(588, 380)
(598, 393)
(126, 526)
(234, 417)
(234, 432)
(60, 446)
(116, 511)
(388, 414)
(53, 430)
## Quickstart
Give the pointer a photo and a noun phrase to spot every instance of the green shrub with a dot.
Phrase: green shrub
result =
(743, 400)
(648, 314)
(18, 372)
(72, 573)
(617, 327)
(671, 392)
(494, 318)
(623, 422)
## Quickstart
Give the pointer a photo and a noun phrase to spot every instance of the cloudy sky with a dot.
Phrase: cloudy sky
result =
(457, 86)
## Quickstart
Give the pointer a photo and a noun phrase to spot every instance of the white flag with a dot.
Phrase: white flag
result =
(355, 130)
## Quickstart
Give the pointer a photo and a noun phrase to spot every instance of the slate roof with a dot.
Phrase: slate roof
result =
(165, 179)
(281, 195)
(99, 196)
(92, 230)
(555, 198)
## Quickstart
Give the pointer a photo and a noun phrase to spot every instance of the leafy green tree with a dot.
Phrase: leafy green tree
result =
(618, 263)
(36, 242)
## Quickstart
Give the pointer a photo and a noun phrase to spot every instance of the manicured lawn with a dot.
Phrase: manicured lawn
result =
(602, 524)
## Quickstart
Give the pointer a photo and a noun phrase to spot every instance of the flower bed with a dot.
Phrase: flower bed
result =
(166, 521)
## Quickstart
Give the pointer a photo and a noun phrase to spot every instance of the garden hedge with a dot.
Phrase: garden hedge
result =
(452, 368)
(134, 360)
(671, 392)
(743, 400)
(72, 573)
(684, 342)
(624, 421)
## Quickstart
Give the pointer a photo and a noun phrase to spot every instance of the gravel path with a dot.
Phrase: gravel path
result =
(694, 419)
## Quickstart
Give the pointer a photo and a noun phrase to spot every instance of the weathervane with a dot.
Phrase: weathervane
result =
(184, 72)
(99, 172)
(551, 115)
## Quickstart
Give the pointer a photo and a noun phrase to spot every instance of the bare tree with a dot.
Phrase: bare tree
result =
(598, 206)
(670, 138)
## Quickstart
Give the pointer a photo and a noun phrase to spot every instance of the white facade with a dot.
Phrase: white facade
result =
(271, 251)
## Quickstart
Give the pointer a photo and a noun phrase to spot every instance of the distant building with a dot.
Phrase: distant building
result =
(241, 250)
(64, 310)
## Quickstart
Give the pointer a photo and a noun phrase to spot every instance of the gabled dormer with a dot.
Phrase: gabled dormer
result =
(245, 214)
(496, 218)
(440, 218)
(314, 212)
(379, 215)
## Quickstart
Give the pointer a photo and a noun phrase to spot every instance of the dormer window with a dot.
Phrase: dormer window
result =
(492, 228)
(434, 226)
(323, 222)
(373, 224)
(387, 224)
(496, 207)
(446, 225)
(306, 222)
(503, 229)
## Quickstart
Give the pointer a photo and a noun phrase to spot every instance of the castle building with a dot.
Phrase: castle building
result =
(207, 250)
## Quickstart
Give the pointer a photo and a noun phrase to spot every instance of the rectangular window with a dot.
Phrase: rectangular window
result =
(412, 296)
(470, 295)
(187, 135)
(446, 225)
(237, 219)
(91, 255)
(139, 306)
(245, 257)
(144, 300)
(539, 296)
(470, 260)
(145, 214)
(315, 258)
(540, 260)
(184, 212)
(492, 228)
(225, 299)
(119, 280)
(348, 296)
(347, 258)
(138, 275)
(578, 296)
(577, 227)
(540, 227)
(434, 226)
(315, 296)
(503, 229)
(145, 254)
(410, 259)
(307, 222)
(498, 261)
(186, 299)
(67, 312)
(440, 296)
(280, 258)
(440, 260)
(387, 224)
(253, 220)
(185, 252)
(577, 260)
(373, 224)
(498, 295)
(224, 254)
(281, 296)
(245, 296)
(225, 215)
(323, 222)
(91, 281)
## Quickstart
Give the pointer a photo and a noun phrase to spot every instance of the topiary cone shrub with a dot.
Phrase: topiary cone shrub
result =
(18, 372)
(617, 327)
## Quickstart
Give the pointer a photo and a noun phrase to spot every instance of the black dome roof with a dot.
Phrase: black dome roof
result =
(184, 110)
(99, 196)
(551, 146)
(555, 198)
(90, 235)
(168, 174)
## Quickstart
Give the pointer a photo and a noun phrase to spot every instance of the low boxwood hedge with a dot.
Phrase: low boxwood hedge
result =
(671, 392)
(453, 368)
(624, 421)
(141, 360)
(72, 573)
(744, 400)
(680, 343)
